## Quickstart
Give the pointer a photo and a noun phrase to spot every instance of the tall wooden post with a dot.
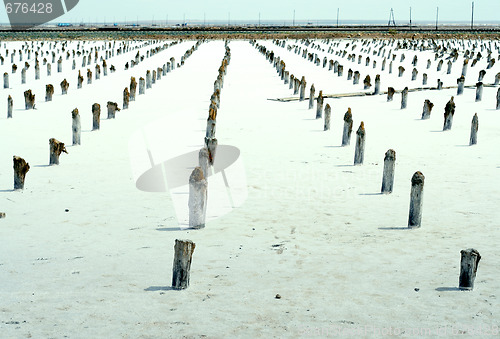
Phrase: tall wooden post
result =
(390, 93)
(197, 198)
(319, 105)
(359, 152)
(133, 88)
(10, 104)
(303, 85)
(346, 135)
(21, 167)
(449, 111)
(328, 112)
(112, 109)
(388, 176)
(126, 98)
(183, 255)
(76, 127)
(416, 200)
(479, 91)
(311, 96)
(473, 130)
(56, 148)
(96, 116)
(426, 113)
(404, 98)
(468, 268)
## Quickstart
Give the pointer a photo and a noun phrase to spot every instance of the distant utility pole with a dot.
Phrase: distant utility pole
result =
(391, 18)
(337, 17)
(293, 21)
(410, 18)
(472, 19)
(437, 16)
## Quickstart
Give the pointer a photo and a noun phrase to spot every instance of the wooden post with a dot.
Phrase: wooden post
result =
(388, 176)
(498, 99)
(439, 84)
(21, 167)
(29, 100)
(424, 79)
(126, 98)
(59, 65)
(359, 152)
(303, 84)
(311, 96)
(340, 70)
(346, 135)
(64, 86)
(390, 67)
(426, 112)
(292, 82)
(23, 75)
(460, 83)
(328, 112)
(49, 92)
(204, 161)
(464, 67)
(133, 88)
(77, 128)
(449, 111)
(416, 199)
(80, 80)
(377, 84)
(97, 72)
(440, 65)
(212, 148)
(349, 74)
(49, 70)
(482, 73)
(142, 85)
(414, 74)
(56, 148)
(367, 82)
(10, 104)
(390, 93)
(37, 71)
(6, 80)
(104, 68)
(404, 98)
(479, 91)
(401, 71)
(148, 79)
(355, 78)
(197, 198)
(448, 71)
(473, 130)
(112, 109)
(183, 255)
(319, 105)
(469, 262)
(497, 79)
(96, 116)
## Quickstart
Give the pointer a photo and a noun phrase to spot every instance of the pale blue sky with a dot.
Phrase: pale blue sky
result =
(280, 10)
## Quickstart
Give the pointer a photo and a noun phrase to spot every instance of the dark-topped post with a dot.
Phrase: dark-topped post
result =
(473, 130)
(346, 135)
(359, 153)
(416, 200)
(469, 262)
(388, 176)
(183, 255)
(21, 167)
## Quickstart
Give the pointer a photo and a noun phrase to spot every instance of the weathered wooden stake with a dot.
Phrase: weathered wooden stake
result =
(377, 84)
(498, 99)
(212, 149)
(204, 161)
(148, 79)
(359, 152)
(21, 167)
(183, 254)
(96, 116)
(388, 176)
(404, 98)
(56, 148)
(328, 112)
(76, 126)
(426, 112)
(469, 262)
(390, 93)
(424, 79)
(319, 105)
(112, 109)
(355, 78)
(133, 88)
(346, 135)
(449, 111)
(80, 80)
(10, 105)
(29, 100)
(23, 76)
(197, 198)
(126, 98)
(416, 200)
(6, 80)
(311, 96)
(142, 85)
(460, 83)
(64, 86)
(479, 91)
(303, 84)
(473, 130)
(49, 92)
(89, 76)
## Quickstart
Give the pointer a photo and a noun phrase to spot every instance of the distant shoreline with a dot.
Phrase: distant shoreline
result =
(250, 32)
